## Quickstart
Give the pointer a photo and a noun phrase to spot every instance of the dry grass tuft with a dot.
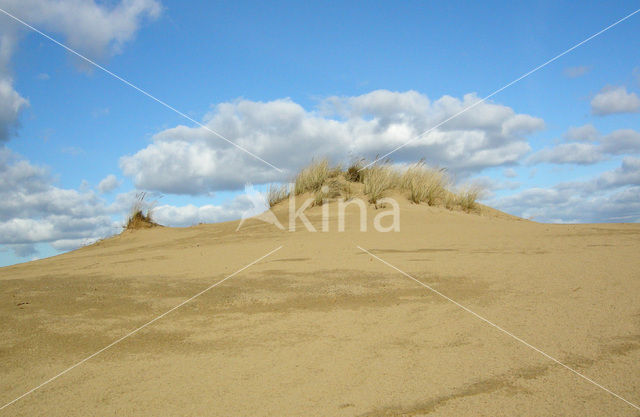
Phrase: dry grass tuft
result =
(333, 188)
(424, 184)
(138, 219)
(467, 198)
(377, 179)
(450, 200)
(354, 173)
(311, 178)
(276, 194)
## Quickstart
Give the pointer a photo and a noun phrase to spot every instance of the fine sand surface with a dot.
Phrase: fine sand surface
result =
(320, 328)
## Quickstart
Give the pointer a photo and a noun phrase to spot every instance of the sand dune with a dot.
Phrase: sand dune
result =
(321, 328)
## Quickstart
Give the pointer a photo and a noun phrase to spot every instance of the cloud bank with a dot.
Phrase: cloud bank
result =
(190, 160)
(611, 196)
(591, 148)
(35, 211)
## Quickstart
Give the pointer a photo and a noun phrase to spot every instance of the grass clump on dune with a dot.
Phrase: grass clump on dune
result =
(354, 172)
(377, 179)
(138, 219)
(420, 183)
(333, 188)
(311, 178)
(467, 198)
(424, 184)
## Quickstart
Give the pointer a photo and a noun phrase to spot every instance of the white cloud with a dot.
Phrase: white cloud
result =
(622, 141)
(23, 251)
(619, 142)
(611, 100)
(108, 184)
(628, 173)
(91, 28)
(185, 160)
(190, 215)
(610, 196)
(11, 104)
(568, 153)
(35, 211)
(586, 133)
(578, 71)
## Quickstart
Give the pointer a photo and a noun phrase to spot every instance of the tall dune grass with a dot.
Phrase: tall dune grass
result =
(377, 179)
(467, 198)
(311, 178)
(419, 182)
(424, 184)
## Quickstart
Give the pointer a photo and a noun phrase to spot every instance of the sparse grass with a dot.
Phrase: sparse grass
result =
(450, 200)
(333, 188)
(424, 184)
(467, 198)
(377, 179)
(276, 194)
(138, 219)
(319, 197)
(311, 178)
(421, 183)
(354, 173)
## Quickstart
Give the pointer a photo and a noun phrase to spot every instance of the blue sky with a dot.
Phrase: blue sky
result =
(292, 80)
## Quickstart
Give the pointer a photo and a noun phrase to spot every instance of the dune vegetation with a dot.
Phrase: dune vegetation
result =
(418, 182)
(140, 216)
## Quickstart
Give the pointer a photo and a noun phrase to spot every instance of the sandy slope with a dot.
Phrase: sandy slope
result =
(320, 328)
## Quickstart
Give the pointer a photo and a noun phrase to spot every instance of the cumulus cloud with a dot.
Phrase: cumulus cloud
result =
(189, 215)
(628, 173)
(610, 196)
(90, 27)
(619, 142)
(185, 160)
(23, 251)
(108, 184)
(11, 105)
(622, 141)
(35, 211)
(612, 100)
(586, 133)
(568, 153)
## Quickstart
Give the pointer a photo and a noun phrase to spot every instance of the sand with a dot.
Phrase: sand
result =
(320, 328)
